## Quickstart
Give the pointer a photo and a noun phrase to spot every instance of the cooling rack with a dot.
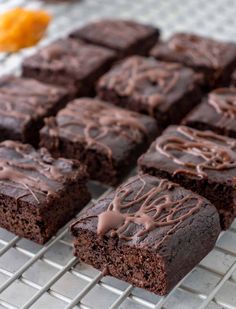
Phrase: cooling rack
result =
(49, 277)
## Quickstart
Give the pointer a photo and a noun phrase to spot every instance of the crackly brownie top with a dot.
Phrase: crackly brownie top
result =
(145, 210)
(218, 110)
(102, 126)
(24, 99)
(198, 154)
(34, 176)
(74, 58)
(148, 82)
(194, 50)
(116, 34)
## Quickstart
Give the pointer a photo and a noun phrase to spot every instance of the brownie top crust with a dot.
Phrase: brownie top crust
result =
(34, 176)
(25, 99)
(149, 82)
(101, 126)
(145, 212)
(196, 51)
(219, 109)
(115, 34)
(74, 58)
(199, 154)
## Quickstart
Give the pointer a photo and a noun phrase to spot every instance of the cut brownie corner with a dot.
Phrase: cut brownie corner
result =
(144, 233)
(38, 194)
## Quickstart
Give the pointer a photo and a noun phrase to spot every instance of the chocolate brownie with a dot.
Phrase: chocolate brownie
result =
(38, 194)
(70, 63)
(149, 232)
(214, 60)
(126, 37)
(217, 113)
(23, 105)
(166, 91)
(106, 138)
(201, 161)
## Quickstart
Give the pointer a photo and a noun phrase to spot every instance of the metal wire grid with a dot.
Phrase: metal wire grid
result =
(34, 276)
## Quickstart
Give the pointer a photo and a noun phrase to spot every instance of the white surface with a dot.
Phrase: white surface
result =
(32, 276)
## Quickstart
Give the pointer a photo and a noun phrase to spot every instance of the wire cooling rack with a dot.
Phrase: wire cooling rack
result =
(34, 276)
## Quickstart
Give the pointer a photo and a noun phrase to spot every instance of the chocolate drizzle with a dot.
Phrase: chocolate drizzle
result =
(140, 206)
(147, 80)
(223, 100)
(94, 120)
(22, 167)
(199, 50)
(211, 151)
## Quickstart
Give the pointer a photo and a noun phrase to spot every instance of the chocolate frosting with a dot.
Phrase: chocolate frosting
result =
(151, 83)
(141, 205)
(33, 173)
(24, 99)
(98, 124)
(211, 151)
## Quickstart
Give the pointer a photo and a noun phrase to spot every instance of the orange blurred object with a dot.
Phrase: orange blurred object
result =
(21, 28)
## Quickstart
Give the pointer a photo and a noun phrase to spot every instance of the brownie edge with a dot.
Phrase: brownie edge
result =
(149, 232)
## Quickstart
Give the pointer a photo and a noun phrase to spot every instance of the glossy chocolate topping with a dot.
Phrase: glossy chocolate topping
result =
(96, 122)
(149, 81)
(26, 99)
(211, 151)
(223, 100)
(144, 204)
(33, 172)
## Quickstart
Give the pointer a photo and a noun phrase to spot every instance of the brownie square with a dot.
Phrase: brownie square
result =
(72, 64)
(217, 112)
(166, 91)
(149, 232)
(214, 60)
(38, 194)
(201, 161)
(126, 37)
(23, 105)
(106, 138)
